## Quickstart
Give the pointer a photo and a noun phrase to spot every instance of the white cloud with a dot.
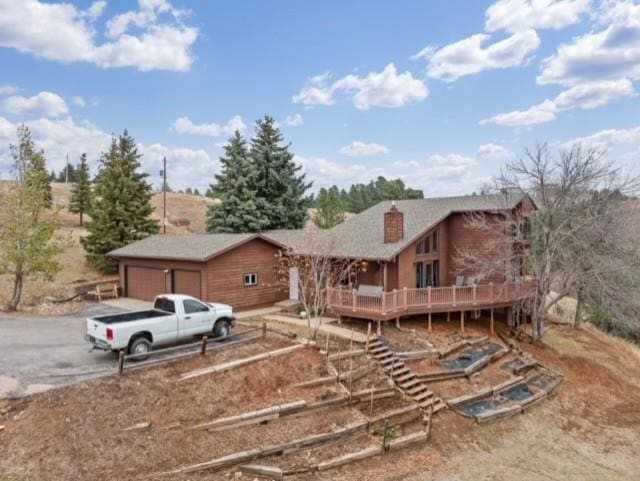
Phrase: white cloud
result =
(295, 120)
(494, 151)
(61, 32)
(325, 173)
(607, 138)
(611, 53)
(78, 101)
(425, 54)
(377, 89)
(585, 96)
(517, 15)
(184, 125)
(362, 149)
(45, 103)
(8, 89)
(471, 56)
(187, 167)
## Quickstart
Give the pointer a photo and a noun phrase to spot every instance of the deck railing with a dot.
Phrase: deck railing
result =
(399, 302)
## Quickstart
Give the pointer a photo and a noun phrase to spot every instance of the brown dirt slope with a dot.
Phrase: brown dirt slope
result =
(588, 430)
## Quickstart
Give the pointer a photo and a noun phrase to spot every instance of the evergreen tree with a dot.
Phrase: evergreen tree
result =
(278, 182)
(81, 190)
(28, 246)
(188, 191)
(121, 205)
(196, 192)
(329, 208)
(35, 169)
(240, 210)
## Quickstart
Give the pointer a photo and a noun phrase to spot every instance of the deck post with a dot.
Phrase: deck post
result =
(379, 329)
(339, 320)
(398, 322)
(454, 295)
(368, 337)
(406, 297)
(448, 316)
(475, 294)
(493, 333)
(384, 302)
(429, 322)
(491, 292)
(353, 293)
(395, 300)
(429, 296)
(462, 322)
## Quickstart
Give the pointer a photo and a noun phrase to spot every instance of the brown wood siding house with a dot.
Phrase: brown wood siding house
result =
(411, 244)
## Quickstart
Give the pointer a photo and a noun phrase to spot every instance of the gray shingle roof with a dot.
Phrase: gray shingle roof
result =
(360, 237)
(195, 247)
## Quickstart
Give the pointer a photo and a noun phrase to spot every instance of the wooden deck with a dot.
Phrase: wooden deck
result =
(405, 302)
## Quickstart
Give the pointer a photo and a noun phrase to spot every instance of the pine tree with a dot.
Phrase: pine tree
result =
(329, 208)
(239, 209)
(35, 166)
(81, 190)
(279, 184)
(121, 206)
(28, 245)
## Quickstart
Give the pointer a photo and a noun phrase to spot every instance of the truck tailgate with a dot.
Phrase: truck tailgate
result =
(96, 329)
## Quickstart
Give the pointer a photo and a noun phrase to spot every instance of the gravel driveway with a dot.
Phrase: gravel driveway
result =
(39, 353)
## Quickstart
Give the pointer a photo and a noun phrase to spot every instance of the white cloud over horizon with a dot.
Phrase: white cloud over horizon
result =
(45, 103)
(184, 125)
(161, 42)
(363, 149)
(387, 89)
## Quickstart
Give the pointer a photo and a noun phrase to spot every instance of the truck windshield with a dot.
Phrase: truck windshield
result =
(164, 304)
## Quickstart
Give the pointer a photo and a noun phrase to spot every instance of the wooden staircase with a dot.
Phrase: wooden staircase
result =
(405, 380)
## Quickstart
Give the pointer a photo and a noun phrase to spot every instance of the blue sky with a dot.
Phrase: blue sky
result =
(440, 94)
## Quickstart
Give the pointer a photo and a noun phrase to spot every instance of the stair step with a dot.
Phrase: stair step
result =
(378, 349)
(410, 383)
(426, 403)
(400, 371)
(417, 389)
(423, 395)
(373, 344)
(395, 366)
(404, 378)
(387, 361)
(383, 354)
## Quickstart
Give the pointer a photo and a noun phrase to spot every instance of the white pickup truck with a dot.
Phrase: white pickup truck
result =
(173, 316)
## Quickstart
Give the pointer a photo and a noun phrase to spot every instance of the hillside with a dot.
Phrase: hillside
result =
(186, 214)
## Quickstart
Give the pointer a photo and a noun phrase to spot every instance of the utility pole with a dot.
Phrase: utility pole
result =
(164, 195)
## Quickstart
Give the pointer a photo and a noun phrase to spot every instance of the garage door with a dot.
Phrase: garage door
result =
(186, 282)
(145, 282)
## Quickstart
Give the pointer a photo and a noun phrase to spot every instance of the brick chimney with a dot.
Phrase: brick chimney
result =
(393, 225)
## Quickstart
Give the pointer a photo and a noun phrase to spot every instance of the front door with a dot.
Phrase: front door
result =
(428, 274)
(294, 277)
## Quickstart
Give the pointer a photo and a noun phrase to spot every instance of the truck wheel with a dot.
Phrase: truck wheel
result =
(221, 329)
(140, 345)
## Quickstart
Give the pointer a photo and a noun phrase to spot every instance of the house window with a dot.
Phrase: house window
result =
(420, 247)
(428, 245)
(427, 274)
(251, 279)
(434, 241)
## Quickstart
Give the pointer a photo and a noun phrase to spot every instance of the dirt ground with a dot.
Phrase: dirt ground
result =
(588, 430)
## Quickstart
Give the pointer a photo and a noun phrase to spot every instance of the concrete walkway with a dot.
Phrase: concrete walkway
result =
(257, 312)
(326, 326)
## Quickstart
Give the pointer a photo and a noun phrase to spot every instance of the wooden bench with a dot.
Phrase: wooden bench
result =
(107, 291)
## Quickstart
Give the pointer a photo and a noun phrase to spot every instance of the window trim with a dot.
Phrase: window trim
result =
(253, 279)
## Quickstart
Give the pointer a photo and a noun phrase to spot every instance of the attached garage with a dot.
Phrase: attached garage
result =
(144, 282)
(235, 269)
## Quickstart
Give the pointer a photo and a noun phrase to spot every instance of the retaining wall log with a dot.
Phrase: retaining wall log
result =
(508, 384)
(534, 400)
(347, 354)
(441, 375)
(357, 373)
(349, 458)
(452, 348)
(317, 381)
(403, 441)
(252, 417)
(239, 362)
(467, 398)
(476, 366)
(500, 413)
(480, 340)
(272, 472)
(415, 355)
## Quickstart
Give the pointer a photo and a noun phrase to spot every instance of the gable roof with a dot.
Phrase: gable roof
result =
(193, 247)
(359, 237)
(362, 236)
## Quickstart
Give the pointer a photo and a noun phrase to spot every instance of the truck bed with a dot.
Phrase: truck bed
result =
(132, 316)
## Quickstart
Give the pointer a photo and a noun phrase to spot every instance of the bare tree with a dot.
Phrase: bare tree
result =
(576, 193)
(316, 269)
